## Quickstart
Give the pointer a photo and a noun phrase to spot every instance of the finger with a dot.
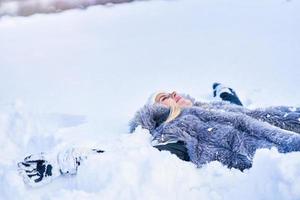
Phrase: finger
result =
(38, 179)
(35, 162)
(30, 175)
(26, 166)
(34, 157)
(23, 165)
(31, 171)
(30, 181)
(22, 172)
(26, 179)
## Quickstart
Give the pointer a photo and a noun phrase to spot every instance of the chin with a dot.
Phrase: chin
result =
(185, 104)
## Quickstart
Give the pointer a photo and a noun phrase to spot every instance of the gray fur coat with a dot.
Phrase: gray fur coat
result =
(224, 132)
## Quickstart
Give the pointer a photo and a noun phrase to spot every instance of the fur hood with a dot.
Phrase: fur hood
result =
(149, 117)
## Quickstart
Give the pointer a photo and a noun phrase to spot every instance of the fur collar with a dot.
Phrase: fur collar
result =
(149, 117)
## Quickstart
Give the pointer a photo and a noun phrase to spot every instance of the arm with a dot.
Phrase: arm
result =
(284, 117)
(285, 141)
(173, 137)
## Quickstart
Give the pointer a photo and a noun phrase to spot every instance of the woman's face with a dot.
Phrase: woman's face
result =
(169, 99)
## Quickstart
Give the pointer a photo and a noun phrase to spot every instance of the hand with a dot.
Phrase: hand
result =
(42, 168)
(39, 169)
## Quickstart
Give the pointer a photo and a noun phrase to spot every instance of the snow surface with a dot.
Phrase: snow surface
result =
(76, 78)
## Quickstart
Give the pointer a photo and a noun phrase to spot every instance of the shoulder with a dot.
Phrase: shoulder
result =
(221, 106)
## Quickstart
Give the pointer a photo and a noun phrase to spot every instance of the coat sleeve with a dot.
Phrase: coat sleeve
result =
(179, 130)
(285, 141)
(287, 118)
(263, 132)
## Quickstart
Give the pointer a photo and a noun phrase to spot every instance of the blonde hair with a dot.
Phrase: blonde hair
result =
(175, 110)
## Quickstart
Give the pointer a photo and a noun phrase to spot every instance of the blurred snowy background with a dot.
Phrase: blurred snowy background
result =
(30, 7)
(76, 78)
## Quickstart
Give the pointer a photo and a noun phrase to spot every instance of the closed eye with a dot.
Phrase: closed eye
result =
(162, 98)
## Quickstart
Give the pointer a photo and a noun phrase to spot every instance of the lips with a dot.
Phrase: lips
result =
(177, 99)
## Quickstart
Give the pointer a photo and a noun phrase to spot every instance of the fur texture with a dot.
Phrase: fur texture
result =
(224, 132)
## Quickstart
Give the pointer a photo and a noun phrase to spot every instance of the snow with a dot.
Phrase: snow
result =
(77, 77)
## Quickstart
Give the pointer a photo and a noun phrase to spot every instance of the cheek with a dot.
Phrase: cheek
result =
(181, 103)
(167, 102)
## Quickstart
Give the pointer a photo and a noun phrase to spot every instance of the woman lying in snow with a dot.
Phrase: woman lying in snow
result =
(223, 131)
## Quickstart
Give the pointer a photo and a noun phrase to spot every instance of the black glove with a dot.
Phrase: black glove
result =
(42, 168)
(39, 169)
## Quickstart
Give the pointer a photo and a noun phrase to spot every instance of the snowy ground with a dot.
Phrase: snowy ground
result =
(76, 78)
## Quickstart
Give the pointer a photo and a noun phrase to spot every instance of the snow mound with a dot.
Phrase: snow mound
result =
(132, 169)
